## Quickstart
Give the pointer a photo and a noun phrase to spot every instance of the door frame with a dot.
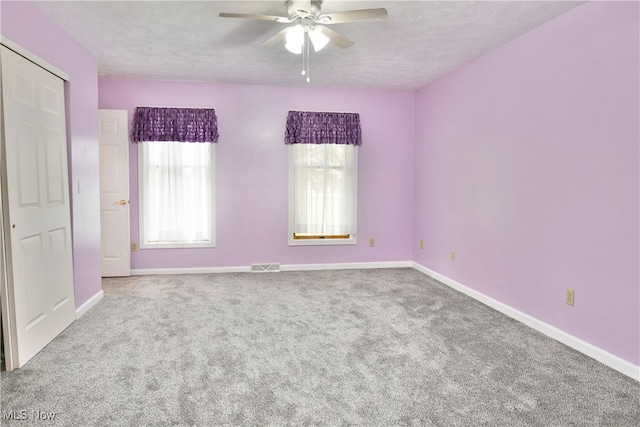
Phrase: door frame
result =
(6, 291)
(9, 334)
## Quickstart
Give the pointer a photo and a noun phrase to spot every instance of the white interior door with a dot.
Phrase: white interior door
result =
(114, 193)
(37, 210)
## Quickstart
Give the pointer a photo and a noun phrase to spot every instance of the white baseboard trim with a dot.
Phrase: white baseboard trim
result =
(283, 267)
(346, 266)
(199, 270)
(612, 361)
(80, 311)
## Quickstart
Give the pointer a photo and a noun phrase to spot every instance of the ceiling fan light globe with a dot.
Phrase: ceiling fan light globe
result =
(294, 48)
(318, 39)
(295, 39)
(295, 34)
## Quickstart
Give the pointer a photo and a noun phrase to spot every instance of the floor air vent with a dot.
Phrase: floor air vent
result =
(263, 268)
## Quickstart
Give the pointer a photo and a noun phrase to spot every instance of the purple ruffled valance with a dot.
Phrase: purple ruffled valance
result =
(174, 124)
(308, 127)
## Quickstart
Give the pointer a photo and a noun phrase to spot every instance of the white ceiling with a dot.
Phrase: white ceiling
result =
(186, 40)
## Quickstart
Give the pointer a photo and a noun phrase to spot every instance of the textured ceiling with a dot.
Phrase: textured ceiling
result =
(186, 40)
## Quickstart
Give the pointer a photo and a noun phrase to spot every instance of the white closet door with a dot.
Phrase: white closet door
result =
(39, 249)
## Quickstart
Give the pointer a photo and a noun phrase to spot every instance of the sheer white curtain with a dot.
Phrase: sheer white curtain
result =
(176, 192)
(324, 193)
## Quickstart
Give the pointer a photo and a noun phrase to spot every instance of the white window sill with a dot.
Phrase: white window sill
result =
(322, 242)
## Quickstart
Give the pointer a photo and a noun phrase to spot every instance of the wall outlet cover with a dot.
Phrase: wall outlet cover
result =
(569, 297)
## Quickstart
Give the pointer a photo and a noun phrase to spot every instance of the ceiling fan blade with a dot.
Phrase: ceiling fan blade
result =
(337, 38)
(275, 38)
(281, 19)
(353, 16)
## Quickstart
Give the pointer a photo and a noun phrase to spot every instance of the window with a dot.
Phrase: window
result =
(176, 173)
(176, 194)
(322, 176)
(323, 194)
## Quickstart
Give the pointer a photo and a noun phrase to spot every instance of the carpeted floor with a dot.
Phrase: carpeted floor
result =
(350, 347)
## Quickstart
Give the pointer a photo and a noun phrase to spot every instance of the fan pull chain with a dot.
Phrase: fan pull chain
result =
(305, 56)
(308, 56)
(304, 70)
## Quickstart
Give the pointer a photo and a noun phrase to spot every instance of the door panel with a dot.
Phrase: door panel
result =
(22, 89)
(55, 174)
(27, 152)
(110, 220)
(50, 100)
(32, 278)
(114, 193)
(38, 222)
(57, 247)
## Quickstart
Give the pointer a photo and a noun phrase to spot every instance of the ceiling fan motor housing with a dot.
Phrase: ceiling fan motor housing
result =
(293, 9)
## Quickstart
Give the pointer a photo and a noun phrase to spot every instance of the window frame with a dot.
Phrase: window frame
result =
(320, 241)
(142, 244)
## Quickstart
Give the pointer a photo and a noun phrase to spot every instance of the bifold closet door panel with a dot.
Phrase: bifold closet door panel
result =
(36, 189)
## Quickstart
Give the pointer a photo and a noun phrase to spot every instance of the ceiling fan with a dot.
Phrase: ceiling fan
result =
(310, 24)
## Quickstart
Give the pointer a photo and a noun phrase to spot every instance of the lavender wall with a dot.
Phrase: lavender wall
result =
(527, 165)
(252, 171)
(23, 24)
